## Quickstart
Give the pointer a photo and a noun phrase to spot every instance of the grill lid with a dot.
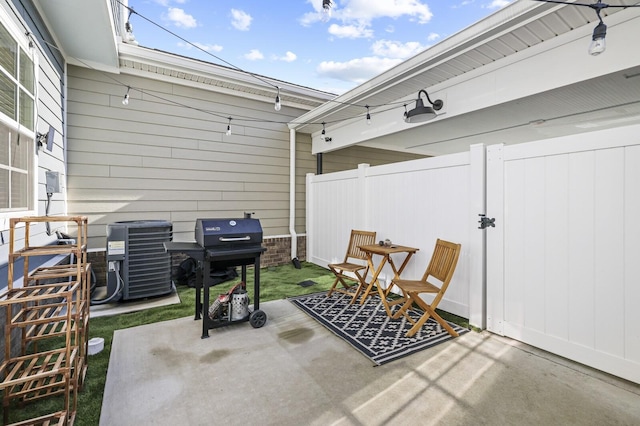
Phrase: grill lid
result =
(228, 233)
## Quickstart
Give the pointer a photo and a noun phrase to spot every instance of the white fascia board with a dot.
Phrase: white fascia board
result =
(211, 88)
(97, 66)
(213, 71)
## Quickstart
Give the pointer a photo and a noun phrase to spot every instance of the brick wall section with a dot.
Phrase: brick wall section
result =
(282, 251)
(98, 260)
(279, 251)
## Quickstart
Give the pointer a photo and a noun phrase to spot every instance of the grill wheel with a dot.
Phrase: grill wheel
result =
(257, 318)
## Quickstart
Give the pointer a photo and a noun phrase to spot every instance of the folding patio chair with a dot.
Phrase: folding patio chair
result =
(441, 267)
(354, 267)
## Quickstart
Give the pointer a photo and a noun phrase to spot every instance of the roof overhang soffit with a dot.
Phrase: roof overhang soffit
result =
(84, 31)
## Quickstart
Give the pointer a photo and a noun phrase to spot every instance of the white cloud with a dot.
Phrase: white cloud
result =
(496, 4)
(288, 57)
(363, 12)
(205, 47)
(240, 20)
(396, 49)
(309, 18)
(166, 3)
(462, 4)
(350, 31)
(367, 10)
(209, 47)
(315, 16)
(254, 55)
(181, 19)
(433, 37)
(356, 70)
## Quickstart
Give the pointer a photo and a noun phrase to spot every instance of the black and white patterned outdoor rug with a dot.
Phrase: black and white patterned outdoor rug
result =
(368, 328)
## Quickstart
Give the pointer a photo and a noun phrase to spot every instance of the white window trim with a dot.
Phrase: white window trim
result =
(19, 35)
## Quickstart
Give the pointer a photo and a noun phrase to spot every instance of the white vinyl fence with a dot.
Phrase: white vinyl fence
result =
(562, 262)
(411, 203)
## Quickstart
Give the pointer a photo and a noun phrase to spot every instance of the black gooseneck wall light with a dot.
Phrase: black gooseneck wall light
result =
(422, 113)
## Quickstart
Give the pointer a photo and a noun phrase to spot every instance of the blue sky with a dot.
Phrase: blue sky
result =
(289, 40)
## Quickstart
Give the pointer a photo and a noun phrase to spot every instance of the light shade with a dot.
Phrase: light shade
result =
(422, 113)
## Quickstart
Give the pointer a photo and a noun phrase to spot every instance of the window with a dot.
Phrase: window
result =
(17, 124)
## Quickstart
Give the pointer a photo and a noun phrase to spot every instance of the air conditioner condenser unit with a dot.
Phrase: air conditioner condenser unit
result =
(137, 264)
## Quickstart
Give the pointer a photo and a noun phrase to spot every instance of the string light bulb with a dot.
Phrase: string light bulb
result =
(326, 10)
(324, 137)
(28, 34)
(598, 44)
(125, 100)
(368, 115)
(278, 105)
(229, 127)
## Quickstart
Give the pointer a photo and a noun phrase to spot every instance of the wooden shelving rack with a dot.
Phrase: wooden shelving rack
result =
(53, 303)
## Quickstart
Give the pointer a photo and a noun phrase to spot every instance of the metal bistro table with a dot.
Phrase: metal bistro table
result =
(385, 252)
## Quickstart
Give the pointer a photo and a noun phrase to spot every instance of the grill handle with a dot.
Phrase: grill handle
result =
(224, 239)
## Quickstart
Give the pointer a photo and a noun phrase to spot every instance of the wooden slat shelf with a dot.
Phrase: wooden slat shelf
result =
(48, 251)
(58, 271)
(57, 328)
(23, 374)
(78, 249)
(40, 292)
(53, 303)
(55, 419)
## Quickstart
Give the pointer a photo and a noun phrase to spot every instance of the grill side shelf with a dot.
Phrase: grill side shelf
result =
(193, 250)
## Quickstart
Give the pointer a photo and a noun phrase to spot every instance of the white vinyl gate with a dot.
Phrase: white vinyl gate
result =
(563, 261)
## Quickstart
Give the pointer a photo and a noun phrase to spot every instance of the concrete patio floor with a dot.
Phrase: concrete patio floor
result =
(293, 371)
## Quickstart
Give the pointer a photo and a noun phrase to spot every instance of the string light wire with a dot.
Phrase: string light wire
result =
(242, 119)
(235, 67)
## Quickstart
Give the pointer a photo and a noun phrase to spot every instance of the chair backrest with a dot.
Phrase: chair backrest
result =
(359, 238)
(443, 264)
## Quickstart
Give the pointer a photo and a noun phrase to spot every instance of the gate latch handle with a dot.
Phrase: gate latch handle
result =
(486, 222)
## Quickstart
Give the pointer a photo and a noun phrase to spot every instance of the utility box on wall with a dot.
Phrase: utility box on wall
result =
(52, 184)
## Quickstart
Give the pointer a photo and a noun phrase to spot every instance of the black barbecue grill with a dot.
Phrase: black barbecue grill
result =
(223, 243)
